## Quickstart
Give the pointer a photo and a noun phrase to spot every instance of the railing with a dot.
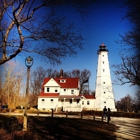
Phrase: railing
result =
(77, 108)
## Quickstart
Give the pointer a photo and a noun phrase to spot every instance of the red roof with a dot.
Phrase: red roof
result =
(70, 82)
(89, 96)
(42, 94)
(69, 97)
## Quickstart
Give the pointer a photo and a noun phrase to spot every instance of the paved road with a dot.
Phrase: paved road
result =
(128, 128)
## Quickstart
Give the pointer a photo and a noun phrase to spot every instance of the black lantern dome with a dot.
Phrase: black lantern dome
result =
(102, 48)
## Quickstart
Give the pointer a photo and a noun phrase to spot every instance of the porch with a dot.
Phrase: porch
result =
(77, 108)
(70, 103)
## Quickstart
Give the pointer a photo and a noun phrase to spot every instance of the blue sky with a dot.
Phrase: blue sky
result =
(103, 25)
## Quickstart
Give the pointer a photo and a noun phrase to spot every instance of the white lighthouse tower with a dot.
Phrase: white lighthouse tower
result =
(104, 91)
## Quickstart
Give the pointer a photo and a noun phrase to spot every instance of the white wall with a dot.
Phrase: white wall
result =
(68, 91)
(87, 106)
(104, 92)
(47, 103)
(51, 89)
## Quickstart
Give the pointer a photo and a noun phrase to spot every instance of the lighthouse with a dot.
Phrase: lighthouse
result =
(104, 91)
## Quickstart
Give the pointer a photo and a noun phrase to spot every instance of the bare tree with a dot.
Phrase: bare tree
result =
(34, 26)
(2, 95)
(132, 37)
(137, 101)
(13, 81)
(36, 84)
(52, 73)
(128, 71)
(125, 104)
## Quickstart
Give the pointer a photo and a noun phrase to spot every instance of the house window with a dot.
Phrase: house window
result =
(48, 89)
(51, 100)
(87, 102)
(62, 81)
(104, 102)
(82, 102)
(56, 90)
(104, 92)
(78, 101)
(72, 91)
(70, 101)
(43, 99)
(64, 89)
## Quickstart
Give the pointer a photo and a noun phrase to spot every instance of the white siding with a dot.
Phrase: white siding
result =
(52, 89)
(68, 91)
(47, 103)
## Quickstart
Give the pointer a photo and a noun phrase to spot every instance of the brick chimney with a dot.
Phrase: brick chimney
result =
(61, 73)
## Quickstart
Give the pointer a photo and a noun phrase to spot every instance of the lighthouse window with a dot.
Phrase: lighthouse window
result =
(103, 62)
(103, 55)
(103, 70)
(104, 92)
(103, 82)
(105, 102)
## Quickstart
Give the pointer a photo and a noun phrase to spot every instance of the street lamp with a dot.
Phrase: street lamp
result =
(28, 63)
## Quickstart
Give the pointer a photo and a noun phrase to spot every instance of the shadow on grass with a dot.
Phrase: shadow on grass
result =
(48, 128)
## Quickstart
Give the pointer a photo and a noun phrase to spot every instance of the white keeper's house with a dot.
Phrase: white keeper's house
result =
(63, 93)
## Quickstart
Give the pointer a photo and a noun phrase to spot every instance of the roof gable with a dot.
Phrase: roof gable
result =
(50, 82)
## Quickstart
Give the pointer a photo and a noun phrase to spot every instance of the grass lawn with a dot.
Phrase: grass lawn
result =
(48, 128)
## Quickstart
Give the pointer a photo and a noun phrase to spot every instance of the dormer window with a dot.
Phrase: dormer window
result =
(62, 81)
